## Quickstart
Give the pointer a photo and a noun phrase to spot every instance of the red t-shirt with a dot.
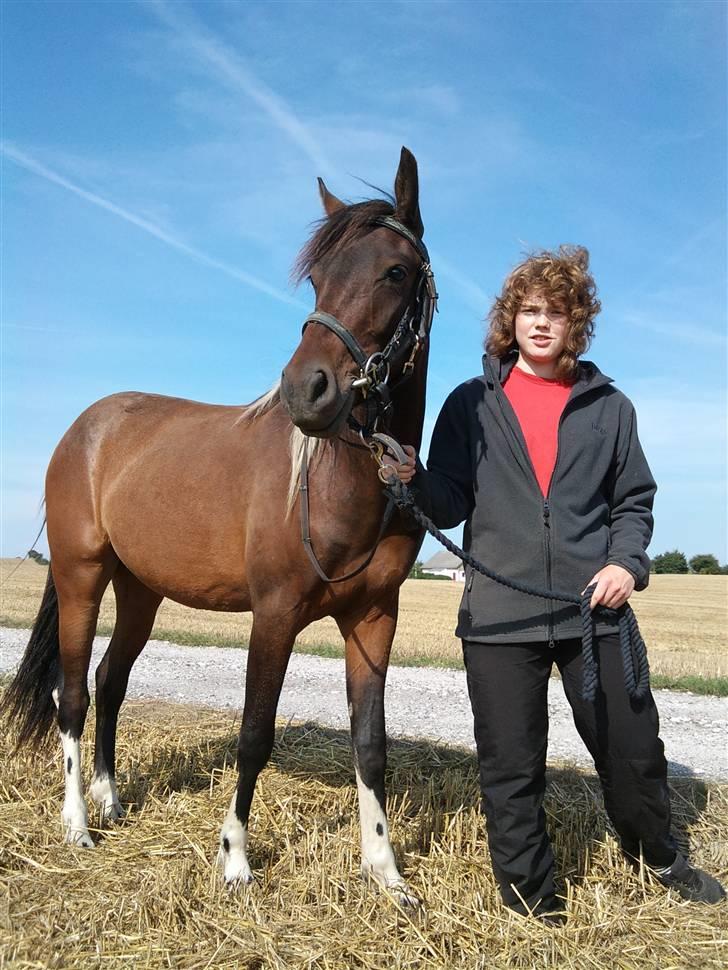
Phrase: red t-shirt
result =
(538, 404)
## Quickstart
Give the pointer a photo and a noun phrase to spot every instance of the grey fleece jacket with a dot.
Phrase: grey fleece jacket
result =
(598, 509)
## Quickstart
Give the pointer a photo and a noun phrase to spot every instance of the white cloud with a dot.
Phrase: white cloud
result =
(696, 334)
(473, 295)
(681, 426)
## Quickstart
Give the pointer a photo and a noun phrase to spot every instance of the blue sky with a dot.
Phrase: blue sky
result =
(158, 177)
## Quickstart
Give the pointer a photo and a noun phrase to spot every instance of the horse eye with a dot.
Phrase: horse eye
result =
(396, 273)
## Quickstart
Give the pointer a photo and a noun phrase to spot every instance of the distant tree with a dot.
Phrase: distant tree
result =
(37, 557)
(704, 563)
(670, 562)
(416, 571)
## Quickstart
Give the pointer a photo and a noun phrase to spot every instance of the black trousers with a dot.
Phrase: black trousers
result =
(508, 686)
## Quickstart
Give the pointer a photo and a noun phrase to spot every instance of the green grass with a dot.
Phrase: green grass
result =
(694, 683)
(716, 686)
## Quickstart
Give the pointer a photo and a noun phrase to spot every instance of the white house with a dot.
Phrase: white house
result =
(445, 564)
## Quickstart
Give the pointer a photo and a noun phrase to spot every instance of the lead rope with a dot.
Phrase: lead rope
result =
(306, 526)
(632, 646)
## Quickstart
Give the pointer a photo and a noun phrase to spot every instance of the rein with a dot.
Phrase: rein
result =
(632, 646)
(306, 531)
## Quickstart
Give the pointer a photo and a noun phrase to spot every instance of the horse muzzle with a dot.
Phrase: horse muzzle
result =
(315, 403)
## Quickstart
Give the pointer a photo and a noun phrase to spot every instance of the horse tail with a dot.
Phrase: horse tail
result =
(28, 701)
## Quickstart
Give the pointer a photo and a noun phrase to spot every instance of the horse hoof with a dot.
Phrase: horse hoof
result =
(235, 879)
(406, 898)
(110, 811)
(399, 891)
(81, 839)
(236, 872)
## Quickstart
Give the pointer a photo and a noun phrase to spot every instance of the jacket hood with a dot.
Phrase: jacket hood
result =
(589, 376)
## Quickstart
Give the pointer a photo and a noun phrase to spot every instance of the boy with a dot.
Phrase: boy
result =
(540, 457)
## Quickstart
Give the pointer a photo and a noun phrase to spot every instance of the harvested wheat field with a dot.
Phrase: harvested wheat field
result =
(684, 620)
(150, 895)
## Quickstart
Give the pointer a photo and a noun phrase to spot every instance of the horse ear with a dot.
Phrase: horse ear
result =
(407, 193)
(330, 203)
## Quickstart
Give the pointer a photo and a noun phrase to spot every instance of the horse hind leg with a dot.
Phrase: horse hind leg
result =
(270, 649)
(80, 586)
(136, 609)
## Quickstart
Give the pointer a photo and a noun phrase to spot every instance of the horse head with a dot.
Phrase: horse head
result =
(374, 302)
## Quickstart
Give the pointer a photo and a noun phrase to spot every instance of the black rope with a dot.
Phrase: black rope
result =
(634, 653)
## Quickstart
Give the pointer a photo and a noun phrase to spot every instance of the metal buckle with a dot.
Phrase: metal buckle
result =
(409, 364)
(370, 372)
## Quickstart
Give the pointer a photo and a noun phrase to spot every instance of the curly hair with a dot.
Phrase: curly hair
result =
(561, 277)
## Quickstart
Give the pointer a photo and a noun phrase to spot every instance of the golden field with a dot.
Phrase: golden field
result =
(684, 621)
(150, 896)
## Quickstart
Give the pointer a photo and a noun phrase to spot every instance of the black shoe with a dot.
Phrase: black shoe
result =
(550, 912)
(690, 882)
(554, 917)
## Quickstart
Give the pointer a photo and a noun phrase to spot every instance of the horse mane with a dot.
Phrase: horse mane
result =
(339, 229)
(261, 405)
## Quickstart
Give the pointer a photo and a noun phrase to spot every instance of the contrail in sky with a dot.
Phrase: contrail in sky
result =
(30, 164)
(472, 294)
(230, 68)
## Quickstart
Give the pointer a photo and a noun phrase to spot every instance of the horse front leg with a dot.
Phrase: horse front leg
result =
(271, 642)
(368, 643)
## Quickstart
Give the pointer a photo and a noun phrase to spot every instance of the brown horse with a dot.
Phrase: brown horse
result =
(196, 502)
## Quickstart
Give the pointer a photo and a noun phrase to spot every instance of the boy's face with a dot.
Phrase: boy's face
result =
(541, 328)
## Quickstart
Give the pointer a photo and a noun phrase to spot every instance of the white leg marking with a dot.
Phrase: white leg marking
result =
(73, 814)
(233, 854)
(104, 794)
(377, 856)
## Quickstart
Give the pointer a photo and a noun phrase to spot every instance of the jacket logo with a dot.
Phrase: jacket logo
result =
(596, 427)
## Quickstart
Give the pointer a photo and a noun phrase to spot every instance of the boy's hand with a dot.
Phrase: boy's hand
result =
(614, 585)
(406, 472)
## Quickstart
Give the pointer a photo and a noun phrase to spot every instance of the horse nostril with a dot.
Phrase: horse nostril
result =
(317, 385)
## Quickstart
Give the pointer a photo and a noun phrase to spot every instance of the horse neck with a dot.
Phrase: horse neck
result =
(408, 404)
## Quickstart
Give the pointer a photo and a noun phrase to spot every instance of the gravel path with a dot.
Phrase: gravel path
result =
(420, 702)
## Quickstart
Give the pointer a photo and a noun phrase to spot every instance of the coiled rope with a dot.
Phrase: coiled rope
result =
(632, 646)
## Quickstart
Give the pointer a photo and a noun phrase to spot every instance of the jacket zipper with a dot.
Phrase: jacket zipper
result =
(547, 542)
(546, 510)
(547, 524)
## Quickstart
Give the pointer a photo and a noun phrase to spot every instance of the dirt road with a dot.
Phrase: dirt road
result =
(420, 702)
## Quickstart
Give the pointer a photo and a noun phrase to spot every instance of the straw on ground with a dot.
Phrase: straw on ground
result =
(150, 894)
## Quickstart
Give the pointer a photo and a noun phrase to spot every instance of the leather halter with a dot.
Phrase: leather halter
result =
(375, 370)
(409, 335)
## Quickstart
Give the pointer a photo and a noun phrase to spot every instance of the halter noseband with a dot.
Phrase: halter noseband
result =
(410, 334)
